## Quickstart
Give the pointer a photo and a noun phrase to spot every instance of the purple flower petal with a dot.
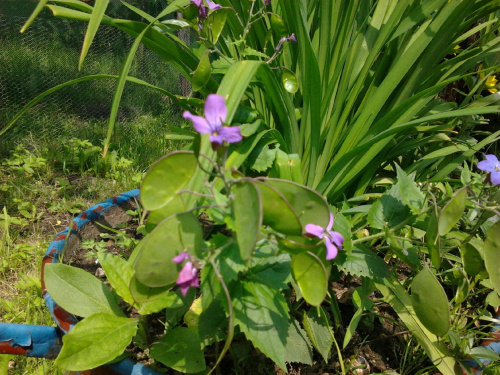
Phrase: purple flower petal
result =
(230, 134)
(315, 230)
(200, 124)
(330, 223)
(337, 239)
(181, 257)
(216, 139)
(486, 165)
(212, 5)
(187, 274)
(197, 2)
(331, 250)
(495, 178)
(215, 111)
(491, 158)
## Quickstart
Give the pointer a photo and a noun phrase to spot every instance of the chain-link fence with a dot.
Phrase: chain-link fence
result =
(47, 55)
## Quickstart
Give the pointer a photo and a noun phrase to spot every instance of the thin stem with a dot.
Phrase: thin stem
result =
(339, 353)
(230, 331)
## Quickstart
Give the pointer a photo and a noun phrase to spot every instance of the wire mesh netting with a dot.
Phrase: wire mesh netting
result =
(47, 55)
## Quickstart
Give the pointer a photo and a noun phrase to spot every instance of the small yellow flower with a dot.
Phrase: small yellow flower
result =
(58, 222)
(490, 83)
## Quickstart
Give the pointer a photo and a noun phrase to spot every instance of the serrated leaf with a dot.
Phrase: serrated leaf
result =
(364, 263)
(430, 302)
(119, 273)
(298, 346)
(491, 249)
(247, 210)
(262, 315)
(264, 159)
(318, 331)
(410, 193)
(180, 349)
(452, 212)
(79, 292)
(388, 211)
(95, 340)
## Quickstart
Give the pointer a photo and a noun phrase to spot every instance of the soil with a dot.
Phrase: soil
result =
(379, 341)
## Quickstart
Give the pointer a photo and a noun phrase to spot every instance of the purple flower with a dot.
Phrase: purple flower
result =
(188, 277)
(333, 240)
(492, 165)
(212, 123)
(202, 9)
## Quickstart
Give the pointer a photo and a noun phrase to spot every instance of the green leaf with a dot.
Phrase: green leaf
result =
(79, 292)
(277, 211)
(176, 205)
(410, 193)
(95, 20)
(360, 296)
(166, 178)
(180, 349)
(364, 263)
(262, 315)
(201, 75)
(311, 276)
(289, 81)
(389, 210)
(119, 273)
(318, 331)
(247, 210)
(395, 294)
(265, 158)
(298, 346)
(95, 340)
(430, 302)
(471, 259)
(309, 206)
(452, 212)
(168, 300)
(433, 240)
(153, 265)
(491, 250)
(34, 15)
(217, 20)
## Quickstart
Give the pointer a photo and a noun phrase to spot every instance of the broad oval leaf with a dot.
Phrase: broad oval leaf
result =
(311, 276)
(173, 207)
(289, 81)
(95, 340)
(309, 206)
(277, 211)
(471, 259)
(165, 178)
(452, 212)
(153, 265)
(247, 209)
(202, 73)
(430, 303)
(180, 349)
(491, 254)
(79, 292)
